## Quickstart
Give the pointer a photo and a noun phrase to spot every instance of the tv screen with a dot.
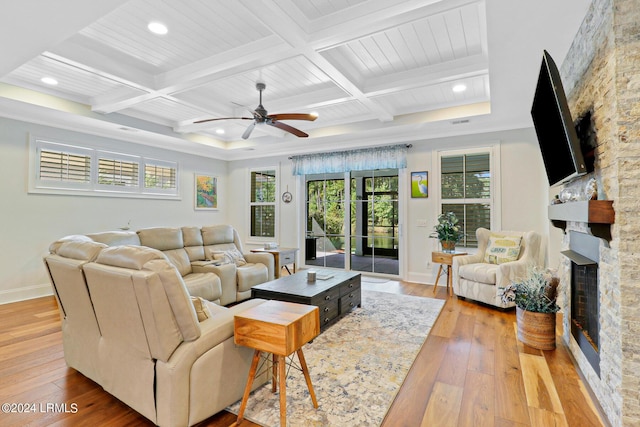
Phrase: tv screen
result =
(556, 133)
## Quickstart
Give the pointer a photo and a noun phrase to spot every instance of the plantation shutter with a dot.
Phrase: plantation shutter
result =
(159, 177)
(263, 203)
(118, 172)
(466, 191)
(64, 166)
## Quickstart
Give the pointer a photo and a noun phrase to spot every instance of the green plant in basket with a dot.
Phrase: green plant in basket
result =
(537, 292)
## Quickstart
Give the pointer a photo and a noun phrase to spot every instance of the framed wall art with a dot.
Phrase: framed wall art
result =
(206, 189)
(419, 185)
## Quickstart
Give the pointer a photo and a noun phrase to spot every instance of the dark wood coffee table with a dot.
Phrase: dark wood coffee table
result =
(335, 296)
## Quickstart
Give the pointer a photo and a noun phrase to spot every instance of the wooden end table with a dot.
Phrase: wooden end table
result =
(281, 257)
(280, 328)
(445, 258)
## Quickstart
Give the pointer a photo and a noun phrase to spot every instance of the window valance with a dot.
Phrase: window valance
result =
(388, 157)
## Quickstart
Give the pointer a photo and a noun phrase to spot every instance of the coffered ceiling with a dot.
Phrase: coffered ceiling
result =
(374, 71)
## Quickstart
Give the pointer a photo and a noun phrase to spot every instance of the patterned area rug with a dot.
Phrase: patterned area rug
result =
(356, 366)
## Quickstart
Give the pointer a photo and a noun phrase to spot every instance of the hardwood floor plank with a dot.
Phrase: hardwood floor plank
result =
(406, 410)
(444, 406)
(482, 352)
(579, 408)
(511, 399)
(478, 408)
(545, 418)
(538, 383)
(453, 369)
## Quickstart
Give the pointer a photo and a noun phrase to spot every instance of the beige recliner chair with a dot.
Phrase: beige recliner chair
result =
(134, 330)
(259, 267)
(476, 279)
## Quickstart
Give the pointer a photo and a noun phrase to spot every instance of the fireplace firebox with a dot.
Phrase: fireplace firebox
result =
(584, 254)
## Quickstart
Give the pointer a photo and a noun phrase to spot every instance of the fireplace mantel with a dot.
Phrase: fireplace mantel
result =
(598, 214)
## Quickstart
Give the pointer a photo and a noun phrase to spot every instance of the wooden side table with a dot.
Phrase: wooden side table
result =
(281, 257)
(280, 328)
(445, 258)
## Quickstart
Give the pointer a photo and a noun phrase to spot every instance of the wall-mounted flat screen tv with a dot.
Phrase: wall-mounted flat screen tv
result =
(559, 143)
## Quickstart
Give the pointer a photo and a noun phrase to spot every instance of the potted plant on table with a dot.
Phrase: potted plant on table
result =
(535, 298)
(447, 231)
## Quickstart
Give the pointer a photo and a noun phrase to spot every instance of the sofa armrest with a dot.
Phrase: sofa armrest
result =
(228, 280)
(263, 258)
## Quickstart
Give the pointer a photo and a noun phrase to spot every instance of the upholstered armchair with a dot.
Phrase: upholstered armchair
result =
(481, 276)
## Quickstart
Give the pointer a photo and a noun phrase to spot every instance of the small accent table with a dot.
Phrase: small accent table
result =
(280, 328)
(281, 257)
(445, 258)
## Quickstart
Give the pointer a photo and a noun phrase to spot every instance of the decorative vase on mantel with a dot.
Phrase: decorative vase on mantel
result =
(448, 246)
(537, 330)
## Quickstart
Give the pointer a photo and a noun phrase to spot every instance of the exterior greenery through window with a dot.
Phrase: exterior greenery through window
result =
(263, 203)
(369, 210)
(465, 189)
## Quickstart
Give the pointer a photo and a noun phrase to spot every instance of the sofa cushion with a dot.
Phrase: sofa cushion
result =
(180, 259)
(161, 238)
(502, 248)
(205, 285)
(116, 238)
(481, 272)
(193, 243)
(217, 234)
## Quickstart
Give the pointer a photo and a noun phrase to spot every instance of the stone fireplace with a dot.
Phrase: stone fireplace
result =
(601, 74)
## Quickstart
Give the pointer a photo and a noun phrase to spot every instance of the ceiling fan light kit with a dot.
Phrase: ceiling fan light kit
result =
(260, 115)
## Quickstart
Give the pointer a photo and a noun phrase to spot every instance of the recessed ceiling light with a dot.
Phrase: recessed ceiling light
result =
(315, 113)
(49, 81)
(220, 131)
(459, 88)
(157, 28)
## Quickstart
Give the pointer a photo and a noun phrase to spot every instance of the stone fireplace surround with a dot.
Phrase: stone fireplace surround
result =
(601, 73)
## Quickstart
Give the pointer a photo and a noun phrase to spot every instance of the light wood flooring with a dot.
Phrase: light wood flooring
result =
(471, 371)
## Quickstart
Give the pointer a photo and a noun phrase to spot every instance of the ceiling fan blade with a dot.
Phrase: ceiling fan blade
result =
(293, 116)
(287, 128)
(224, 118)
(248, 131)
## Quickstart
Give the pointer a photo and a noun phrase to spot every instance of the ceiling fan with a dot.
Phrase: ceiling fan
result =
(260, 116)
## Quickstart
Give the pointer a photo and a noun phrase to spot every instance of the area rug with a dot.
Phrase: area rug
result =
(356, 366)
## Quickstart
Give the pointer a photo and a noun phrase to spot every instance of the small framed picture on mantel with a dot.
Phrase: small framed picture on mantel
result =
(206, 192)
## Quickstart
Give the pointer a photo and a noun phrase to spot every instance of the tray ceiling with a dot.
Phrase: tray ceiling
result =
(373, 70)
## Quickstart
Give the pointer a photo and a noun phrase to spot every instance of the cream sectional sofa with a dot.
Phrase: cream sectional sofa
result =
(191, 250)
(129, 324)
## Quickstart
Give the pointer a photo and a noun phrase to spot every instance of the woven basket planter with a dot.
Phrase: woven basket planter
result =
(537, 330)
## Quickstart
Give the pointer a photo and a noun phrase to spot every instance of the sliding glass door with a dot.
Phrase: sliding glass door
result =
(355, 214)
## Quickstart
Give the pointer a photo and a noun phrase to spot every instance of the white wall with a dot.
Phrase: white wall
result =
(30, 222)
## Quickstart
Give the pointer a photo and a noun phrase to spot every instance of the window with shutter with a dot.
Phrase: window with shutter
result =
(465, 189)
(116, 172)
(64, 166)
(61, 168)
(160, 177)
(263, 203)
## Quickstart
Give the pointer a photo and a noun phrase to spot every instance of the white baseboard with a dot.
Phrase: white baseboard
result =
(25, 293)
(424, 278)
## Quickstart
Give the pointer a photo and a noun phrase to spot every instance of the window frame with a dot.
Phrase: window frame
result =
(494, 200)
(36, 185)
(276, 206)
